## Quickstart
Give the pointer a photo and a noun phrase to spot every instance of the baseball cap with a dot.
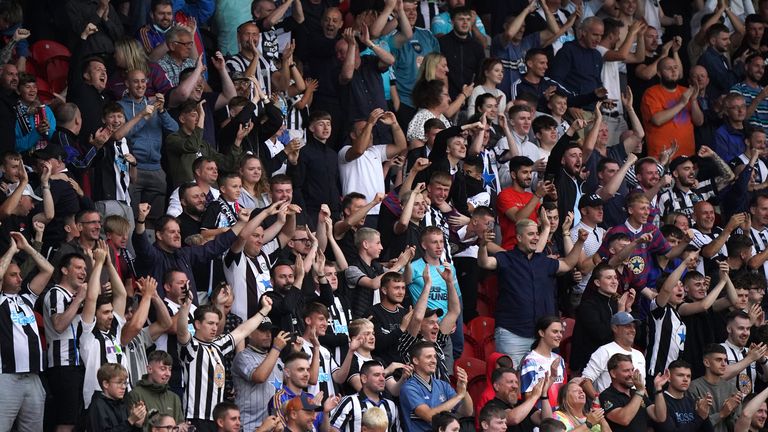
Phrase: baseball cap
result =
(430, 312)
(676, 162)
(238, 76)
(28, 191)
(301, 403)
(591, 200)
(266, 324)
(623, 318)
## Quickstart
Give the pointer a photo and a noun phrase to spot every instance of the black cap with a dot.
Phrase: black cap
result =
(266, 324)
(51, 151)
(591, 200)
(430, 312)
(676, 162)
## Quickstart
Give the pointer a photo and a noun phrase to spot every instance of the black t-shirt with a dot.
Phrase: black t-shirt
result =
(188, 225)
(386, 326)
(682, 416)
(611, 399)
(524, 426)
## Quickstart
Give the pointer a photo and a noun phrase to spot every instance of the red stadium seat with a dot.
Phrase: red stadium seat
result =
(50, 61)
(489, 347)
(569, 324)
(485, 307)
(476, 387)
(482, 328)
(473, 366)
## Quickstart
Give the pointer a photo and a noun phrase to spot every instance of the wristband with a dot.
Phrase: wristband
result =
(588, 424)
(276, 349)
(640, 393)
(544, 398)
(259, 312)
(139, 221)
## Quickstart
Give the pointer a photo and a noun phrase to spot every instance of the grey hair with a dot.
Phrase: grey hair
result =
(588, 22)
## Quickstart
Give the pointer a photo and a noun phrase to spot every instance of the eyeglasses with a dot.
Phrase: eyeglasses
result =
(304, 240)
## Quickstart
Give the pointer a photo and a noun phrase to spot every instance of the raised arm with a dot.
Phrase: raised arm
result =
(246, 328)
(454, 305)
(420, 308)
(609, 190)
(665, 292)
(484, 261)
(94, 286)
(702, 305)
(569, 262)
(361, 142)
(45, 269)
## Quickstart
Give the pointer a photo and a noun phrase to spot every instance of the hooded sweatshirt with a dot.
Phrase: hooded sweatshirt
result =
(158, 397)
(108, 415)
(489, 393)
(146, 138)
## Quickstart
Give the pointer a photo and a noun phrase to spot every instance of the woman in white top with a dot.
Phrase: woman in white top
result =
(255, 189)
(534, 366)
(491, 75)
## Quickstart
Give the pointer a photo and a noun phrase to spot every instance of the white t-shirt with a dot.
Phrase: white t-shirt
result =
(364, 174)
(610, 77)
(597, 369)
(526, 148)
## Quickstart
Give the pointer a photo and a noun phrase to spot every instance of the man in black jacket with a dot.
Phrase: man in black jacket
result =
(463, 52)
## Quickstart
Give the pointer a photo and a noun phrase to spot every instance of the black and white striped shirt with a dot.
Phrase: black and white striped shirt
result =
(676, 200)
(339, 322)
(746, 377)
(168, 343)
(328, 366)
(98, 348)
(62, 347)
(238, 63)
(666, 337)
(205, 374)
(759, 238)
(434, 217)
(20, 347)
(405, 343)
(249, 278)
(348, 415)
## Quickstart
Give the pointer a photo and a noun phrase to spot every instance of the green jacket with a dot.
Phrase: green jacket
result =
(182, 150)
(157, 397)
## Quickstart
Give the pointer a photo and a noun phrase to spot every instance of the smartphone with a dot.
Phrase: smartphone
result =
(491, 226)
(549, 178)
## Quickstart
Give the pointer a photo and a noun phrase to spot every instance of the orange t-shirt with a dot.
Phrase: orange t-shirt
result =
(510, 198)
(680, 128)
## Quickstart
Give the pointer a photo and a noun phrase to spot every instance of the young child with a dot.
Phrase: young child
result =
(558, 105)
(222, 212)
(108, 411)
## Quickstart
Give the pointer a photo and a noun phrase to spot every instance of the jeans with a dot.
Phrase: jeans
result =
(516, 347)
(22, 401)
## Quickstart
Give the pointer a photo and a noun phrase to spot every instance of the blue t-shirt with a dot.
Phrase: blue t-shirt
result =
(442, 24)
(438, 295)
(414, 393)
(408, 58)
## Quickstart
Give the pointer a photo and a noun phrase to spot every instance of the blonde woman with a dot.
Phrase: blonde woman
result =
(435, 67)
(255, 189)
(129, 55)
(572, 412)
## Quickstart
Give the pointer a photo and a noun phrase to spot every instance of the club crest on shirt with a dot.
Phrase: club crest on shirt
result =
(218, 375)
(637, 264)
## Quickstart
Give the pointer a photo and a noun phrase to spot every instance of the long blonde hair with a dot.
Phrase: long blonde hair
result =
(428, 66)
(134, 55)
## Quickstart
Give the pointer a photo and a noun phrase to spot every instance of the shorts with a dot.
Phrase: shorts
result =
(66, 388)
